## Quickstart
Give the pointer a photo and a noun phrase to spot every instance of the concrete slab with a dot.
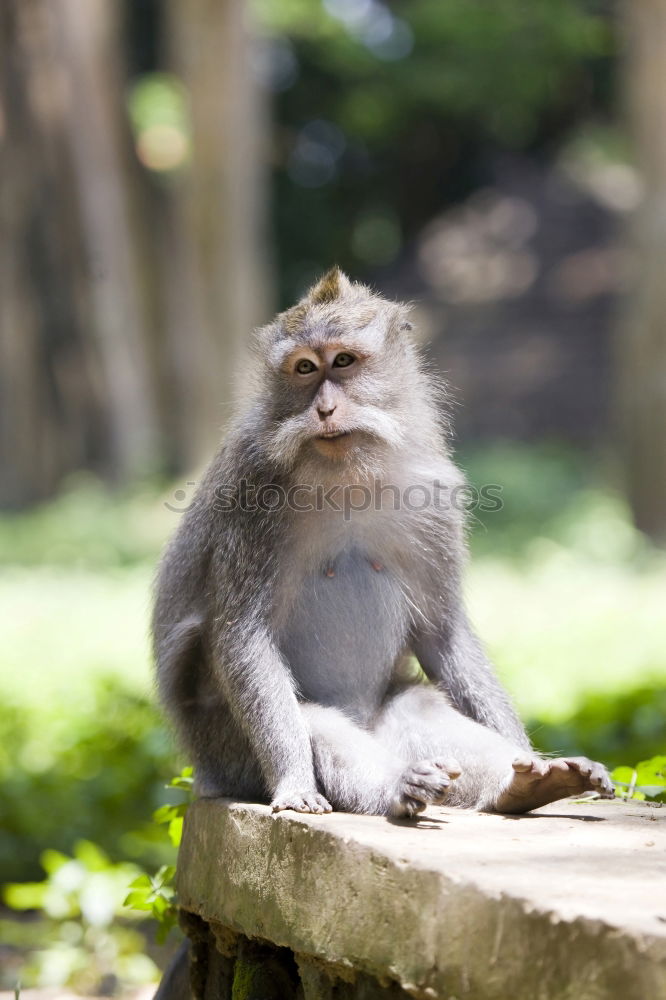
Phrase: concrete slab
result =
(566, 903)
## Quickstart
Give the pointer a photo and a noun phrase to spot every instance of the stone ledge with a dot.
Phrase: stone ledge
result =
(566, 903)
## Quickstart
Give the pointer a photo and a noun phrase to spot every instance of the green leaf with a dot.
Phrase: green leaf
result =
(137, 901)
(52, 860)
(142, 882)
(165, 874)
(652, 772)
(91, 856)
(176, 831)
(165, 814)
(25, 895)
(167, 922)
(647, 779)
(160, 906)
(183, 780)
(623, 775)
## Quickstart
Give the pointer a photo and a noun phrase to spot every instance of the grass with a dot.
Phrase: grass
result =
(65, 626)
(562, 628)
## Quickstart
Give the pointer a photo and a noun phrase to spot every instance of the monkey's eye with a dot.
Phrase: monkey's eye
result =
(343, 360)
(306, 367)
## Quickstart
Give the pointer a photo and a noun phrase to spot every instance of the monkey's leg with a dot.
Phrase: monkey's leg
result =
(497, 774)
(454, 660)
(357, 773)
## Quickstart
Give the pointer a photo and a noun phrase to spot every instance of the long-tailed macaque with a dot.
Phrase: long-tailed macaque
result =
(321, 555)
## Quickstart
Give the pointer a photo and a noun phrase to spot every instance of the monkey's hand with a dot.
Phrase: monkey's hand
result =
(422, 784)
(300, 801)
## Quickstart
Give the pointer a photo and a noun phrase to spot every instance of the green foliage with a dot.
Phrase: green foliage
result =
(499, 65)
(86, 939)
(173, 815)
(550, 494)
(614, 727)
(85, 908)
(568, 598)
(90, 769)
(647, 780)
(83, 751)
(388, 112)
(89, 527)
(156, 894)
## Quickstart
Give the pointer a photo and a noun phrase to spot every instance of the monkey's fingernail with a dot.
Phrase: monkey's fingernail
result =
(330, 571)
(377, 566)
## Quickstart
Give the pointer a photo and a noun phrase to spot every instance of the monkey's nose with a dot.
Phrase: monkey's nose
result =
(323, 414)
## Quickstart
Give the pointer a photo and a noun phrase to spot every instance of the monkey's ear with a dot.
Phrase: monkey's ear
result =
(332, 286)
(401, 319)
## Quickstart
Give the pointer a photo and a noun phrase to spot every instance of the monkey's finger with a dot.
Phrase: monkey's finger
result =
(413, 806)
(433, 768)
(427, 792)
(450, 765)
(296, 804)
(322, 805)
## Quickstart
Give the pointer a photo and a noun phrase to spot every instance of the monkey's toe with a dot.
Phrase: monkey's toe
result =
(535, 782)
(310, 802)
(595, 773)
(529, 764)
(423, 784)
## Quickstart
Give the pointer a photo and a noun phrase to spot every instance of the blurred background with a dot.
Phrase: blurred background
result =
(174, 171)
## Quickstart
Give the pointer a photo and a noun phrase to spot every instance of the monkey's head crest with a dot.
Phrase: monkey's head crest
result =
(333, 285)
(334, 306)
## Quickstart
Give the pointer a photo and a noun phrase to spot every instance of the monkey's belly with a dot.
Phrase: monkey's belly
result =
(345, 633)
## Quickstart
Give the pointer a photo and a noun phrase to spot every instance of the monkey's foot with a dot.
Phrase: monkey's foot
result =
(423, 784)
(536, 782)
(301, 802)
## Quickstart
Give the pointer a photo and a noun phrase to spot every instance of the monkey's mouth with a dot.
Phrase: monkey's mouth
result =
(332, 435)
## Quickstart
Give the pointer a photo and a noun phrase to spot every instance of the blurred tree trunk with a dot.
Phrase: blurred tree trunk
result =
(123, 302)
(220, 244)
(50, 410)
(641, 352)
(76, 389)
(89, 39)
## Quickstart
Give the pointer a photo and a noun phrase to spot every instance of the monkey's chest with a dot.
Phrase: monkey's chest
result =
(347, 627)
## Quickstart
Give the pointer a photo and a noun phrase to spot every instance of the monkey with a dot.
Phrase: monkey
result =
(312, 645)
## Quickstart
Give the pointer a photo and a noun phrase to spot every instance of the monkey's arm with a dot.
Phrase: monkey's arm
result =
(259, 689)
(452, 658)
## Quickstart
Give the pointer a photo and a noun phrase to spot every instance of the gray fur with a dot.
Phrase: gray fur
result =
(281, 636)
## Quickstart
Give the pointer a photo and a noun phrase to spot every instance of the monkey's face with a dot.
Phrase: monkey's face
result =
(334, 392)
(340, 378)
(330, 385)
